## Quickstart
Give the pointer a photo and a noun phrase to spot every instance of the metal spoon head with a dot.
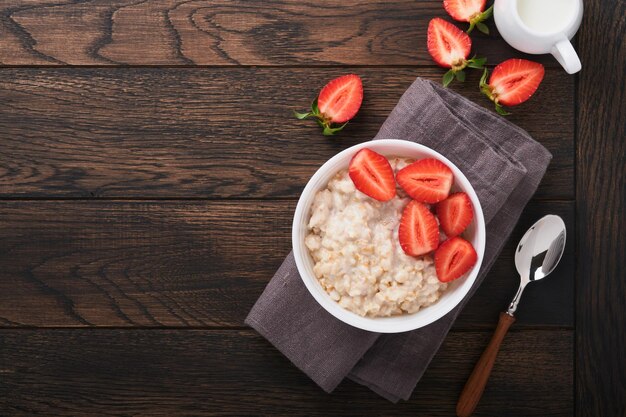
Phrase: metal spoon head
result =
(540, 249)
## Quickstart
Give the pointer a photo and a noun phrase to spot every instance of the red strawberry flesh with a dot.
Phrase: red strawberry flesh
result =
(455, 213)
(464, 10)
(427, 180)
(454, 258)
(418, 232)
(372, 174)
(448, 45)
(514, 81)
(341, 98)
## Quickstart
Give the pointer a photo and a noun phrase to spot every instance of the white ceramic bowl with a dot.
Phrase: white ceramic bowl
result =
(457, 289)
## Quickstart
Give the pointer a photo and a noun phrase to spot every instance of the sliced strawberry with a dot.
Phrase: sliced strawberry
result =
(341, 98)
(372, 174)
(463, 10)
(455, 213)
(338, 102)
(454, 258)
(450, 46)
(512, 82)
(469, 11)
(418, 232)
(427, 180)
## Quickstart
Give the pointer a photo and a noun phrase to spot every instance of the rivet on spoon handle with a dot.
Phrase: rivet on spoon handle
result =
(475, 384)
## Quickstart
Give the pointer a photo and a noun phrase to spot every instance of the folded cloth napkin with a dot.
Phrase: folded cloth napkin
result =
(504, 165)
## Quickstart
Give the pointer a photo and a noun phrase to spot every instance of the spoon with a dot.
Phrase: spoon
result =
(537, 254)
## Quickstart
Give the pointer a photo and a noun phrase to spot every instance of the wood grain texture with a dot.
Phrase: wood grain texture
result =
(174, 279)
(197, 264)
(213, 133)
(601, 213)
(225, 33)
(197, 373)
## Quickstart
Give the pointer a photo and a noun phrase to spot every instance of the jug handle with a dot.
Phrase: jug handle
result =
(564, 52)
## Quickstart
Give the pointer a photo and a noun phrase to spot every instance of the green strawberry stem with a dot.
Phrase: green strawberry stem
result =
(500, 110)
(483, 81)
(457, 70)
(330, 131)
(478, 63)
(488, 91)
(328, 127)
(448, 77)
(477, 21)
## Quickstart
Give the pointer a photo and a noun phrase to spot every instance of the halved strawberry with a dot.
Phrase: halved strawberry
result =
(341, 98)
(453, 258)
(372, 174)
(512, 82)
(469, 11)
(418, 232)
(427, 180)
(450, 46)
(455, 213)
(338, 102)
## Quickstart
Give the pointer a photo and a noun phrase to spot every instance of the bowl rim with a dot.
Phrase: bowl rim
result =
(378, 324)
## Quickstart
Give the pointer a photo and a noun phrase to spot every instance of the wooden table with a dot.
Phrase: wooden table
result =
(149, 168)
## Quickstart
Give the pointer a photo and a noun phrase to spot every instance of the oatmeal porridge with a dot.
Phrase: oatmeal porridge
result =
(353, 240)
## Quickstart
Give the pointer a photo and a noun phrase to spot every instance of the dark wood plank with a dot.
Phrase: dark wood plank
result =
(225, 32)
(180, 133)
(185, 373)
(601, 213)
(196, 264)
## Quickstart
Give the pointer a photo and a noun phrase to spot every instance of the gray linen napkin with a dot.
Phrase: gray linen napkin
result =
(504, 165)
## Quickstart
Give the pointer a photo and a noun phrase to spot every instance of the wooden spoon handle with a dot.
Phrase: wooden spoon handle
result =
(475, 385)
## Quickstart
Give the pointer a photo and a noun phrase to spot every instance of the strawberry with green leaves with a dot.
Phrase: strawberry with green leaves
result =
(471, 11)
(450, 47)
(337, 103)
(512, 82)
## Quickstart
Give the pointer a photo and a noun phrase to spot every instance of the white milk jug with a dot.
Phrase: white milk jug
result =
(541, 27)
